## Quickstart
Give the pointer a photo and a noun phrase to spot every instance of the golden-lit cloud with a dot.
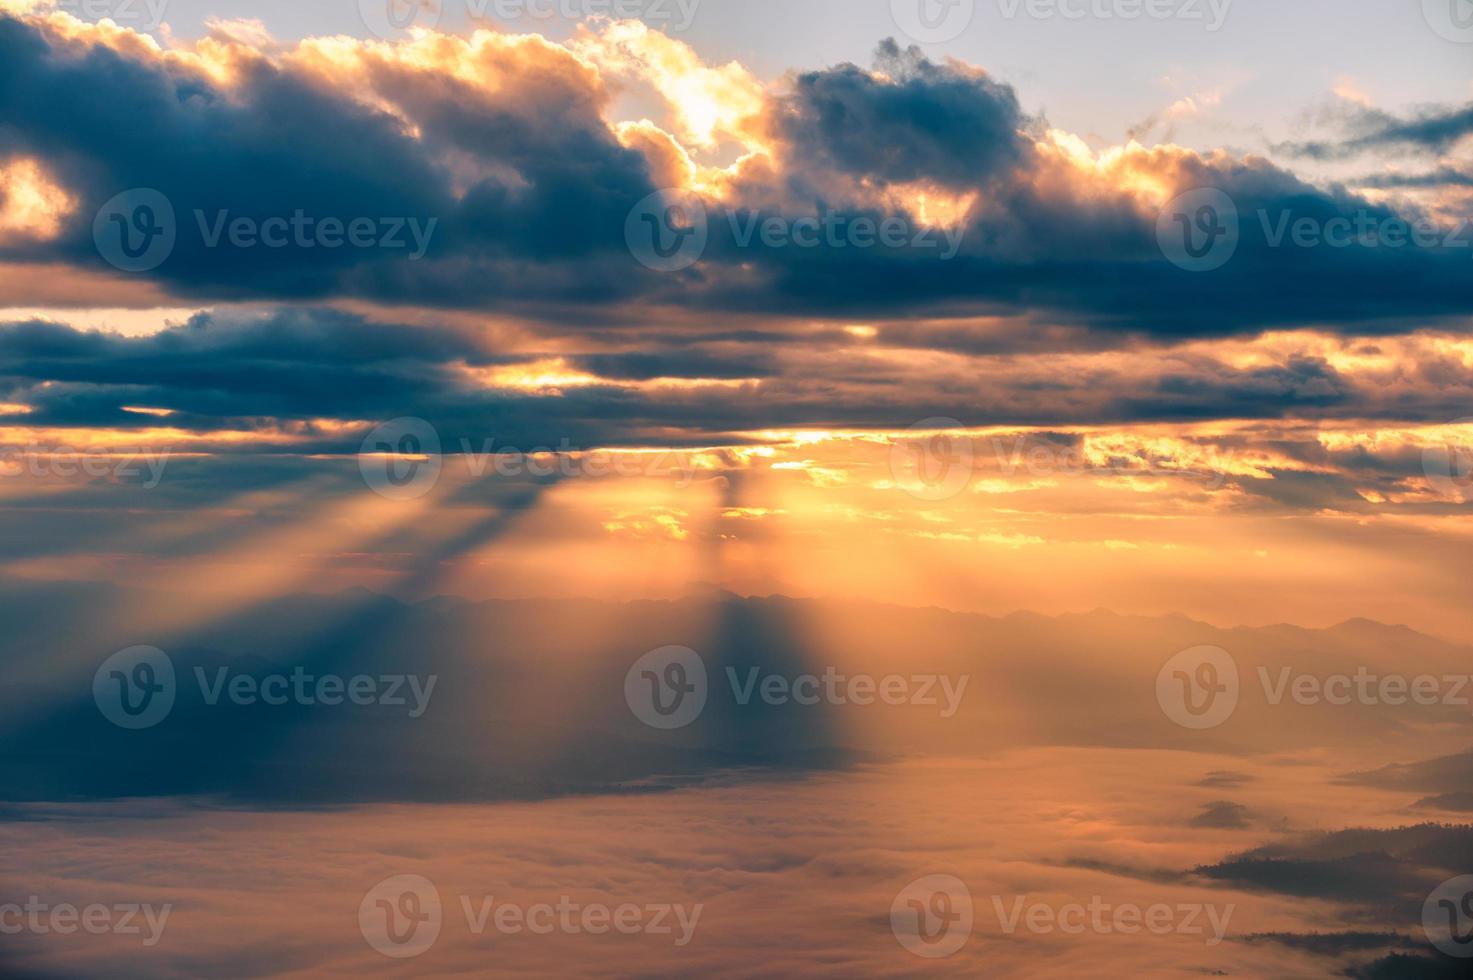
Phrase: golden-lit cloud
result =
(32, 204)
(708, 104)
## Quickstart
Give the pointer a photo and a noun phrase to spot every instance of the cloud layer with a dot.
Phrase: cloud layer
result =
(516, 150)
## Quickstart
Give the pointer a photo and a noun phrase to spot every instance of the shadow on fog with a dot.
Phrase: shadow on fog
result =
(529, 696)
(527, 702)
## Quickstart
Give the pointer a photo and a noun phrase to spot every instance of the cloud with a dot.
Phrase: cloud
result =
(906, 120)
(1333, 943)
(1387, 870)
(506, 152)
(1436, 129)
(1222, 815)
(317, 362)
(751, 850)
(1446, 775)
(1447, 176)
(1400, 966)
(1254, 425)
(1225, 780)
(1458, 802)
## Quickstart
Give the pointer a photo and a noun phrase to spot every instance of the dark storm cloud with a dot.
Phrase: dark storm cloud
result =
(278, 374)
(286, 376)
(529, 188)
(293, 365)
(642, 366)
(1441, 177)
(108, 122)
(1302, 382)
(921, 121)
(1110, 271)
(280, 141)
(1435, 129)
(1039, 237)
(574, 183)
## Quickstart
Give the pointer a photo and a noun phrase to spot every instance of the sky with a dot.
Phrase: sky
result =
(1258, 53)
(1039, 311)
(1101, 367)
